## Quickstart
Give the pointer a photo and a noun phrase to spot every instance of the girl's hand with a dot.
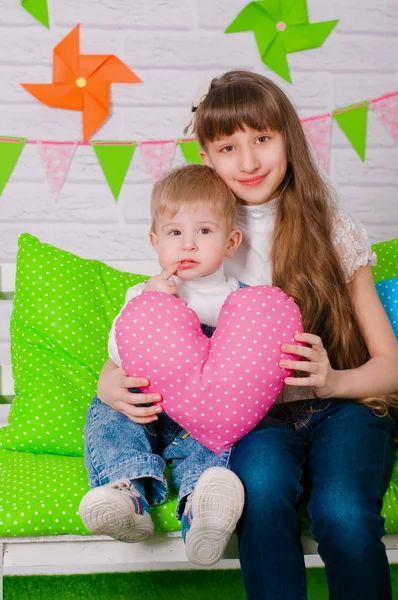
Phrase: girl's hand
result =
(162, 282)
(113, 390)
(321, 375)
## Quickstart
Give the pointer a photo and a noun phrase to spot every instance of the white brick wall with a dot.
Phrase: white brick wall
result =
(176, 46)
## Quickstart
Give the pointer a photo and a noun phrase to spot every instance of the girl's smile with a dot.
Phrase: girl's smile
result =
(253, 181)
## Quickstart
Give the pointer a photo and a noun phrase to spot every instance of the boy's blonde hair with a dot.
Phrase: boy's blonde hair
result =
(193, 185)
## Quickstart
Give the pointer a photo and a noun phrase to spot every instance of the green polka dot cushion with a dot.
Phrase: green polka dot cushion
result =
(387, 261)
(40, 495)
(390, 502)
(62, 313)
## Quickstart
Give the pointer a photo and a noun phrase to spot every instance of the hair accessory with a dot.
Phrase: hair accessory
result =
(200, 95)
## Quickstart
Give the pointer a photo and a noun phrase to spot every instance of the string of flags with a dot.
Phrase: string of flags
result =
(114, 157)
(38, 9)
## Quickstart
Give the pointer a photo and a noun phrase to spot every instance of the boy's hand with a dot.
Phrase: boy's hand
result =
(162, 282)
(113, 390)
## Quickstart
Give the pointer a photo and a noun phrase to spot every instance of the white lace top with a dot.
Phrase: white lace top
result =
(352, 243)
(251, 263)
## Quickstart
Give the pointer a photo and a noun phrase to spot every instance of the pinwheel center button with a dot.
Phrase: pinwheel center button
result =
(281, 26)
(81, 82)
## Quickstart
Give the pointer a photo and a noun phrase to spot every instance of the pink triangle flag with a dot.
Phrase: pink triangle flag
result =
(56, 158)
(318, 131)
(158, 157)
(386, 109)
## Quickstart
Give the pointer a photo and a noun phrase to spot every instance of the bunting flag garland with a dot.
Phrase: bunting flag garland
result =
(38, 9)
(386, 109)
(114, 159)
(318, 131)
(56, 159)
(10, 149)
(158, 157)
(190, 151)
(353, 122)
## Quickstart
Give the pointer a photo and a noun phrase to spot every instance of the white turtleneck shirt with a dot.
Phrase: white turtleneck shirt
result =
(251, 262)
(204, 295)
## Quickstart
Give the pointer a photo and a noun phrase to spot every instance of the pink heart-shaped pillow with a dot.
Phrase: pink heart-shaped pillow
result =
(218, 389)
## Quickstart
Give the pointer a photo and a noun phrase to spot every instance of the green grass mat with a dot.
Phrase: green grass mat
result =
(157, 585)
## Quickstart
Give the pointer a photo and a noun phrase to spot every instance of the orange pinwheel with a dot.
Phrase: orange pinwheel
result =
(81, 82)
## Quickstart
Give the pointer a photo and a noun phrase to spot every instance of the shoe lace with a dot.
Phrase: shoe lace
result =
(188, 504)
(125, 485)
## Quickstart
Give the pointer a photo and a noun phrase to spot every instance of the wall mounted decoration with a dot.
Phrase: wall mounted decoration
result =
(281, 27)
(115, 156)
(38, 9)
(82, 82)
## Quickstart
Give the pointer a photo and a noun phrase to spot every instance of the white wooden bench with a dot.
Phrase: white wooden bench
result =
(78, 554)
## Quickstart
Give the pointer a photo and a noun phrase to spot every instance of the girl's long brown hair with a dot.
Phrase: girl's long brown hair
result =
(305, 263)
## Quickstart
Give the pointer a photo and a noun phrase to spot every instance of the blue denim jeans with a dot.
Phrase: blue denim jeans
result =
(115, 448)
(339, 461)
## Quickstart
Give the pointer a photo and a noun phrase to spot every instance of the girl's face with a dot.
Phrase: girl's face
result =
(252, 163)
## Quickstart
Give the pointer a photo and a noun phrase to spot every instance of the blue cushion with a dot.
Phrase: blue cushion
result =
(388, 294)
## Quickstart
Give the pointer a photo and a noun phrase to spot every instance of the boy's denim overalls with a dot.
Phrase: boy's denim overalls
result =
(117, 448)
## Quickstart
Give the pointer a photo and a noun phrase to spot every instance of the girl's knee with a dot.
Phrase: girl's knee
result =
(347, 524)
(268, 469)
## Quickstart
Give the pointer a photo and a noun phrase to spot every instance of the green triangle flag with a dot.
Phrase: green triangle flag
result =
(38, 9)
(114, 159)
(353, 121)
(10, 149)
(190, 151)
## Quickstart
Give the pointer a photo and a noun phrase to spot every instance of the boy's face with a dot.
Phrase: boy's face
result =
(195, 241)
(252, 163)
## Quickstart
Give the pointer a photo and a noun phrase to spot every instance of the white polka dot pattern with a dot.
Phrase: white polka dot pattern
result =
(62, 313)
(390, 502)
(387, 260)
(385, 275)
(40, 495)
(388, 294)
(218, 389)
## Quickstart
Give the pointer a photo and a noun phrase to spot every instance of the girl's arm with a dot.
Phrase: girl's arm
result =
(113, 390)
(378, 377)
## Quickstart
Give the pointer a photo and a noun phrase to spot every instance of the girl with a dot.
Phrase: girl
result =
(330, 441)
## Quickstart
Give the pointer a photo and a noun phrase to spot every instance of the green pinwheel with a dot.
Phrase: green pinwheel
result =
(281, 27)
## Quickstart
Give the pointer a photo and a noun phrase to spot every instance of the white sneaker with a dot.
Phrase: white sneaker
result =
(118, 510)
(211, 514)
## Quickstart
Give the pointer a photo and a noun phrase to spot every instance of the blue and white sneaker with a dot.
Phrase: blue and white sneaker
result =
(118, 510)
(211, 514)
